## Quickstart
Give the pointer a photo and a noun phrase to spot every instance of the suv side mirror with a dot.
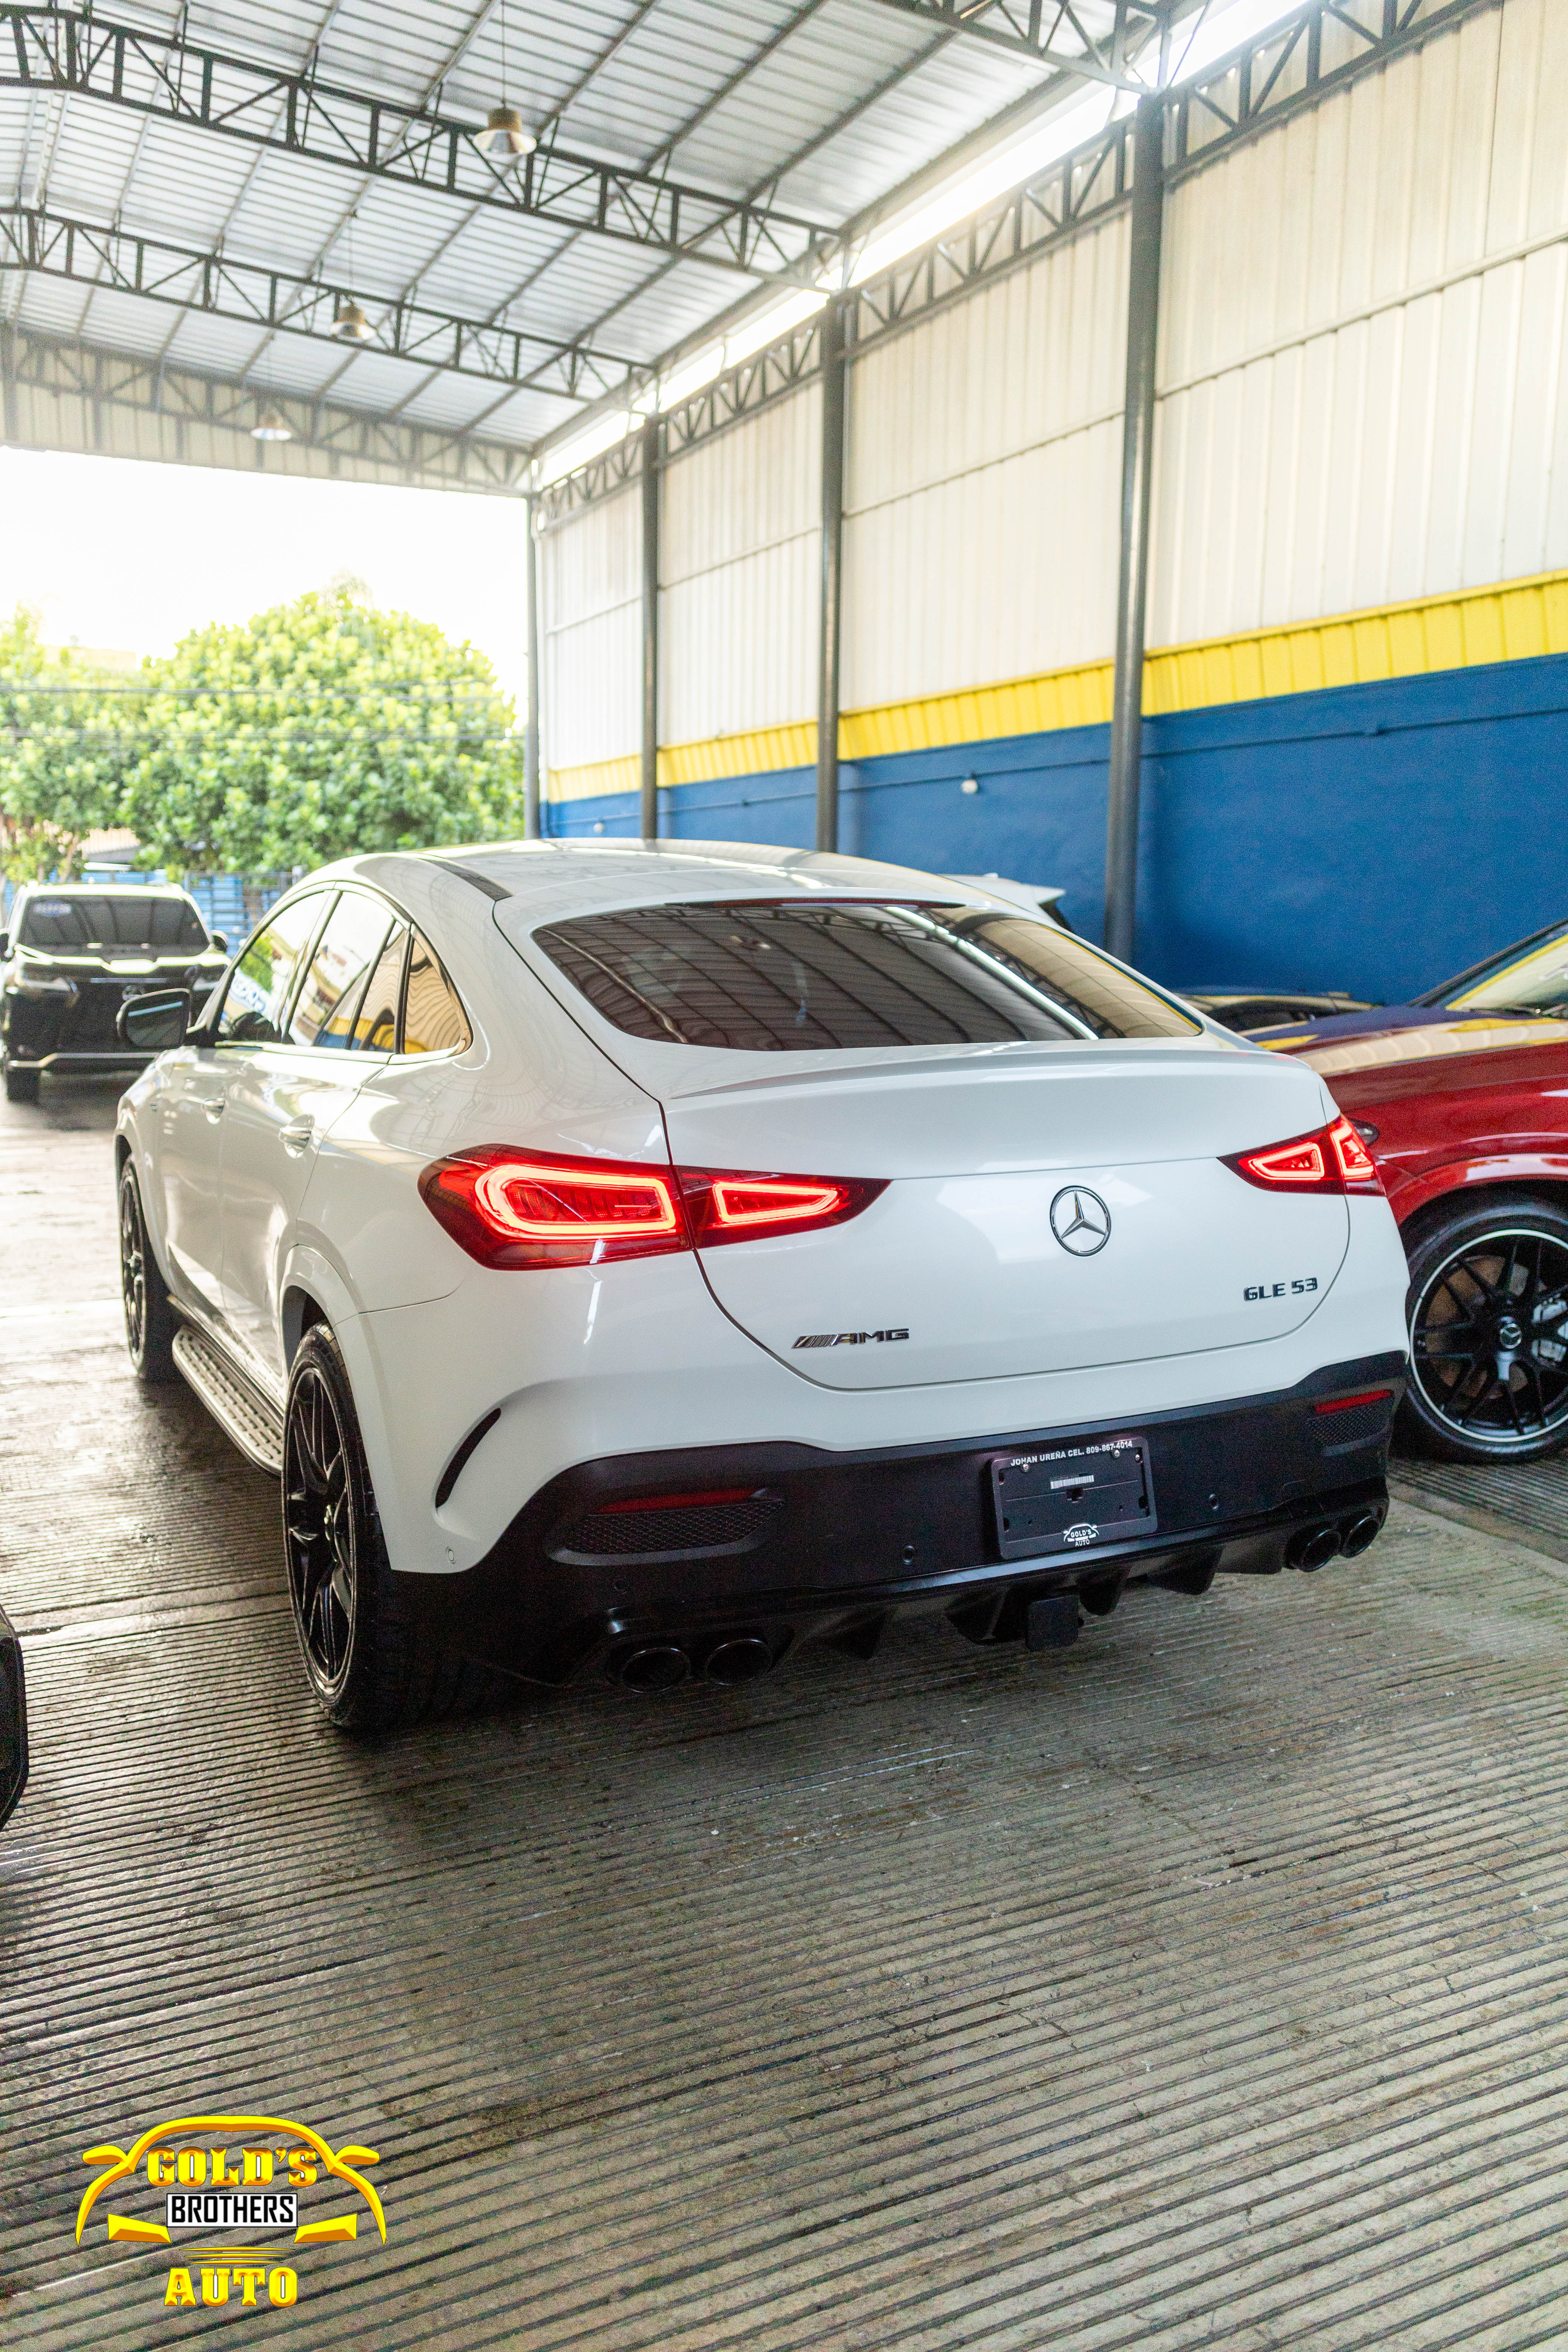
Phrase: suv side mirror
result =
(13, 1722)
(220, 942)
(154, 1023)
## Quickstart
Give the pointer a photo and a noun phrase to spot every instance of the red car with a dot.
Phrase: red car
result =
(1468, 1121)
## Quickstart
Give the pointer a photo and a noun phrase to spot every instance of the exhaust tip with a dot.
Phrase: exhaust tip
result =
(738, 1658)
(1359, 1533)
(1311, 1548)
(659, 1666)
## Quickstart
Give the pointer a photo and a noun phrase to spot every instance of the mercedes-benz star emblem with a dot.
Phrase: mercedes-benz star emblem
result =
(1081, 1220)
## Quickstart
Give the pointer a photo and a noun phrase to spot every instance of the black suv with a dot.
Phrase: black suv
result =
(72, 956)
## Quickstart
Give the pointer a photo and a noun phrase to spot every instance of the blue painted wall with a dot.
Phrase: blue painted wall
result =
(1373, 838)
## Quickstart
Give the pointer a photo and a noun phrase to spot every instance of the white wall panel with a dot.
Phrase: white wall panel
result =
(1363, 344)
(740, 560)
(1003, 573)
(591, 592)
(981, 501)
(752, 487)
(737, 645)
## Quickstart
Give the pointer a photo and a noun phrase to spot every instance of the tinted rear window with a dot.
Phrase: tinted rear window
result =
(766, 977)
(128, 920)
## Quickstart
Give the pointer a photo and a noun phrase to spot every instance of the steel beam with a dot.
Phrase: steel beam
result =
(648, 821)
(217, 286)
(1137, 479)
(68, 395)
(160, 75)
(1097, 39)
(530, 825)
(831, 617)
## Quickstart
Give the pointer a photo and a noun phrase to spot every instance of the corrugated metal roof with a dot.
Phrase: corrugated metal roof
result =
(828, 103)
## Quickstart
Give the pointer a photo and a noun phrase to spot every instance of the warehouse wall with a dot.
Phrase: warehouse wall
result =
(590, 580)
(740, 561)
(1359, 602)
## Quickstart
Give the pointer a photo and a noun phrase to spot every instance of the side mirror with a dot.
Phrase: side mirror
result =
(220, 942)
(13, 1722)
(154, 1023)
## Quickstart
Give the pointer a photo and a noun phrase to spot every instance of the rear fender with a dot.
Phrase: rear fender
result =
(308, 1275)
(1510, 1171)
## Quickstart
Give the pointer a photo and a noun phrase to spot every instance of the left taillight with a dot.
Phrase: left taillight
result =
(515, 1210)
(1332, 1158)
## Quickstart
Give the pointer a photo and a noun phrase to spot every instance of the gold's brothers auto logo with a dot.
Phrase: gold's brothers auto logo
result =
(204, 2176)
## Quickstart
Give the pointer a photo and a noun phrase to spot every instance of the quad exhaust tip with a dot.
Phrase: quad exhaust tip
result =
(1311, 1548)
(730, 1659)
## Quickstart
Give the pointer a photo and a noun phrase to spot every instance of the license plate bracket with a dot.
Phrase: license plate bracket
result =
(1067, 1499)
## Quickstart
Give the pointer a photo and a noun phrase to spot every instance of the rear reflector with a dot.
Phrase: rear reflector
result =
(1333, 1159)
(515, 1210)
(678, 1502)
(1347, 1404)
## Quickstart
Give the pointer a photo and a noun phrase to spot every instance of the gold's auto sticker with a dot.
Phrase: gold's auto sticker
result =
(228, 2193)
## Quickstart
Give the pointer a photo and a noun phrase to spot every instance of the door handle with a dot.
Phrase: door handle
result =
(296, 1136)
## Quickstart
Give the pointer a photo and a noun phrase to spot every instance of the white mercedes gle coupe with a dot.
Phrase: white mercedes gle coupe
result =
(636, 1258)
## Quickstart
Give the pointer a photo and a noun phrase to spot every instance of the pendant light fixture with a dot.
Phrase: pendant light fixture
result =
(503, 142)
(271, 426)
(349, 322)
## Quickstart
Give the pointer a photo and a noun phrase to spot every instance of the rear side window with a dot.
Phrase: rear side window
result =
(434, 1021)
(329, 999)
(375, 1030)
(780, 977)
(263, 980)
(128, 920)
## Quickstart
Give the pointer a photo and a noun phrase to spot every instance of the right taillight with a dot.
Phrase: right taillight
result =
(1333, 1159)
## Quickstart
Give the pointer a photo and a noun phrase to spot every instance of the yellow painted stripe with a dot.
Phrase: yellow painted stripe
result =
(1512, 622)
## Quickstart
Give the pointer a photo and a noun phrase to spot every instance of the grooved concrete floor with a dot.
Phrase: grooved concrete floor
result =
(1203, 1985)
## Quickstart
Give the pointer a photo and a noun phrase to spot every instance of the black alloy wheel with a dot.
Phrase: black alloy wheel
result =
(150, 1323)
(1488, 1334)
(320, 1523)
(21, 1086)
(371, 1667)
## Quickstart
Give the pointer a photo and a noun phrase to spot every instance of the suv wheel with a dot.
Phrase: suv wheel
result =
(369, 1666)
(150, 1320)
(1488, 1334)
(21, 1086)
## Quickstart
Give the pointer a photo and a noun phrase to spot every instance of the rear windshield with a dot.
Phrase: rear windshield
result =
(112, 920)
(768, 978)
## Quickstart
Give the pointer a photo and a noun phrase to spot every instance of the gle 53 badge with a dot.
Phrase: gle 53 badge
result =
(229, 2192)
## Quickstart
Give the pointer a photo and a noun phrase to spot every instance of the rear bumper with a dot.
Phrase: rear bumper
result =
(826, 1545)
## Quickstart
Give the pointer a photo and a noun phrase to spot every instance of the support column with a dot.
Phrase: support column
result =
(530, 807)
(1137, 475)
(648, 824)
(831, 622)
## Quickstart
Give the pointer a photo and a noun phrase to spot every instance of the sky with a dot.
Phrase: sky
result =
(116, 552)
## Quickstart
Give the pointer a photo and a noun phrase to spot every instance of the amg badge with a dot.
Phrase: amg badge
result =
(845, 1339)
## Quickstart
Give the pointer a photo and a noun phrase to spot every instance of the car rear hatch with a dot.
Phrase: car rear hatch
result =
(1050, 1208)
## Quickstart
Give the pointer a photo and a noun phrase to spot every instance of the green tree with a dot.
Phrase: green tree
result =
(322, 728)
(68, 735)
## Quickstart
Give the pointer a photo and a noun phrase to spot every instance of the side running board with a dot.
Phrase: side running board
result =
(238, 1407)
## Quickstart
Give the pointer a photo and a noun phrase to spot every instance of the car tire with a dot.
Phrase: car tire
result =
(371, 1668)
(150, 1320)
(21, 1086)
(1487, 1318)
